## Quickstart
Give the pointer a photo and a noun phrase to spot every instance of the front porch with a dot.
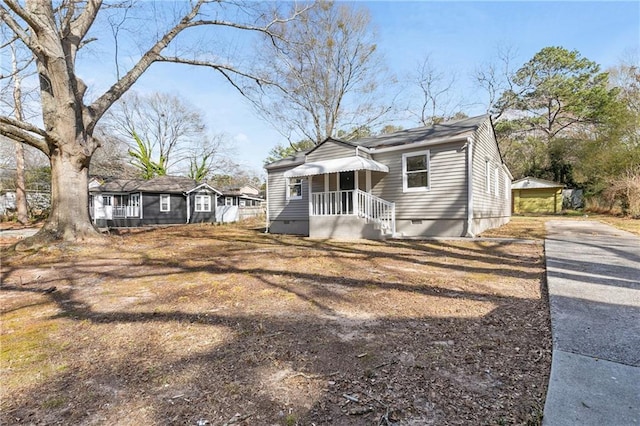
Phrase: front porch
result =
(350, 214)
(341, 204)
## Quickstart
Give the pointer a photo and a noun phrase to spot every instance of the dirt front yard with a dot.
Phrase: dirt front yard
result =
(204, 324)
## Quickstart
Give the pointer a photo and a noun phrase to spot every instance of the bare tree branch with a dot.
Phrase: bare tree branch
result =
(17, 29)
(80, 26)
(24, 132)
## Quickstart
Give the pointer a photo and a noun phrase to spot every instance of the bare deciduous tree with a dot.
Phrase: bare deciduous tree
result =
(496, 78)
(437, 98)
(55, 34)
(168, 124)
(327, 72)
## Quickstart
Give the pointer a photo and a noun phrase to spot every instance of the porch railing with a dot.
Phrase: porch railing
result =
(355, 202)
(126, 211)
(378, 210)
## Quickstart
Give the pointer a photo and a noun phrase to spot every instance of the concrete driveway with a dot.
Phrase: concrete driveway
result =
(593, 275)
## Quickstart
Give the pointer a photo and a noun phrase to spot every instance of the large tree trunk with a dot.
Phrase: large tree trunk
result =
(21, 194)
(69, 218)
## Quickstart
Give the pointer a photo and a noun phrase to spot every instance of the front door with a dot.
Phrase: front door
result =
(347, 185)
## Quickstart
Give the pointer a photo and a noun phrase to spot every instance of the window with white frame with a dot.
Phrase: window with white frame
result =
(294, 189)
(165, 202)
(487, 177)
(203, 203)
(415, 171)
(228, 201)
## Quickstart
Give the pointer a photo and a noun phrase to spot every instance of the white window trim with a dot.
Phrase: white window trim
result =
(288, 189)
(228, 201)
(168, 196)
(203, 197)
(496, 183)
(405, 187)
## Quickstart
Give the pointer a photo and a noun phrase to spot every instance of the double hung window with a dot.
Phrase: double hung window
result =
(415, 171)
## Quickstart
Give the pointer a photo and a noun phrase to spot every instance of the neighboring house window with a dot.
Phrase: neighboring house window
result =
(165, 202)
(294, 189)
(228, 201)
(242, 203)
(203, 203)
(106, 200)
(487, 177)
(496, 183)
(415, 171)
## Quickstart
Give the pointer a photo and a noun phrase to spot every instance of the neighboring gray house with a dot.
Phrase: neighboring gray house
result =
(159, 201)
(445, 180)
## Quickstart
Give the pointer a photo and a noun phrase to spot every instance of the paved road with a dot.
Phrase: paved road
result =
(593, 275)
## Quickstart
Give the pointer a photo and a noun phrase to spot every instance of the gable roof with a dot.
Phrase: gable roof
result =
(534, 183)
(205, 186)
(169, 184)
(449, 129)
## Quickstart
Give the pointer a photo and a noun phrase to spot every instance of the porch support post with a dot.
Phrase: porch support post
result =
(368, 181)
(310, 197)
(355, 192)
(325, 196)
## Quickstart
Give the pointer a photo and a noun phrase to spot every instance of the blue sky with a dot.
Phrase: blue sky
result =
(458, 36)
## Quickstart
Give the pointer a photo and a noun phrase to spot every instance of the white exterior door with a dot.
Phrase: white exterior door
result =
(107, 207)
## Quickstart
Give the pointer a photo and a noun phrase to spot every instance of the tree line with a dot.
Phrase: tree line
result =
(315, 72)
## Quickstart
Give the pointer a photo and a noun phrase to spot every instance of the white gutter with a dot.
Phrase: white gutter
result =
(418, 144)
(470, 186)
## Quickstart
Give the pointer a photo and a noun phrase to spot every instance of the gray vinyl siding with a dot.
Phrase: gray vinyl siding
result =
(489, 204)
(447, 196)
(330, 150)
(279, 207)
(202, 217)
(151, 214)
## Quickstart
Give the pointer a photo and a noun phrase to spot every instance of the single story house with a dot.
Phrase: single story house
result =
(159, 201)
(238, 204)
(447, 180)
(533, 195)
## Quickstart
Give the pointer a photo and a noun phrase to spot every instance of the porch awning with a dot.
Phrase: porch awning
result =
(345, 164)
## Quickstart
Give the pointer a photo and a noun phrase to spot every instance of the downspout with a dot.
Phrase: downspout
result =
(470, 187)
(188, 208)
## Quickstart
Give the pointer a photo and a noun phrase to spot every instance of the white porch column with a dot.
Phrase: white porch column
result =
(368, 181)
(310, 197)
(355, 192)
(325, 196)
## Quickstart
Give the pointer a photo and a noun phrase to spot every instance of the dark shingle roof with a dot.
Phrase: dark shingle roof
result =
(294, 160)
(447, 129)
(170, 184)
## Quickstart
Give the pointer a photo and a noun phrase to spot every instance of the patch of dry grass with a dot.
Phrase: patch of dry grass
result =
(533, 227)
(175, 325)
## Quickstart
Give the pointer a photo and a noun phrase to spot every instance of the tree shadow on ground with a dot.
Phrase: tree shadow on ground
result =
(317, 358)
